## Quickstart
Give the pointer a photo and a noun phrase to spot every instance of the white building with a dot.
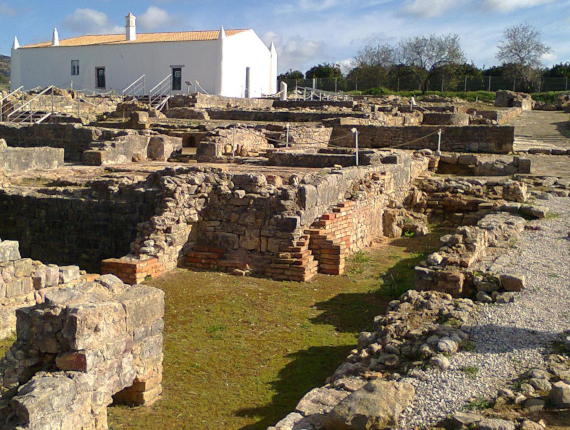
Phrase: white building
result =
(232, 63)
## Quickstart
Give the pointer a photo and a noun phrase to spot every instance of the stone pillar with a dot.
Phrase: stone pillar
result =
(283, 89)
(247, 83)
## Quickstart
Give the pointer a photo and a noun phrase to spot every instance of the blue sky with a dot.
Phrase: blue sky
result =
(306, 32)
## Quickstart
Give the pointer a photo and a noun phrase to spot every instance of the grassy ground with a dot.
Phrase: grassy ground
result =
(6, 344)
(241, 352)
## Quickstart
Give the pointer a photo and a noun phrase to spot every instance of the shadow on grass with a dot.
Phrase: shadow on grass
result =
(355, 312)
(348, 313)
(309, 369)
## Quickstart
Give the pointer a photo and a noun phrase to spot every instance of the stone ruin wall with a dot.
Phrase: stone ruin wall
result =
(477, 138)
(15, 160)
(75, 226)
(82, 349)
(212, 219)
(24, 282)
(90, 145)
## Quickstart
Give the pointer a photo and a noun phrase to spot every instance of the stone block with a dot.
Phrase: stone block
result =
(9, 251)
(68, 274)
(143, 305)
(513, 282)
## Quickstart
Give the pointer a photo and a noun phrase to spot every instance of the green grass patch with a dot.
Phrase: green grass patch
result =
(552, 215)
(470, 371)
(480, 403)
(240, 352)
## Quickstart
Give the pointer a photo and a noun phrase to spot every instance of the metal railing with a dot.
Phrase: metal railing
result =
(25, 115)
(3, 100)
(305, 93)
(137, 88)
(160, 93)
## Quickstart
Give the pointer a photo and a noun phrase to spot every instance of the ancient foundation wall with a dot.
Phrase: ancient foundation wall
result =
(14, 160)
(475, 138)
(199, 100)
(24, 282)
(211, 219)
(281, 116)
(67, 229)
(73, 138)
(501, 116)
(82, 349)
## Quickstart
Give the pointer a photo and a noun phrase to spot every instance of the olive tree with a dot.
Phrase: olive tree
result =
(521, 48)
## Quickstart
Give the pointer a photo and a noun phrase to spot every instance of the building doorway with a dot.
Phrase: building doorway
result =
(100, 80)
(176, 78)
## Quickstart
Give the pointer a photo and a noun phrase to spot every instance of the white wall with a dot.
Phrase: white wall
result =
(124, 63)
(244, 50)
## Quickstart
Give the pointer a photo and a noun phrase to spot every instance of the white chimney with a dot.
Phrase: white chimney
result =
(131, 28)
(16, 44)
(55, 38)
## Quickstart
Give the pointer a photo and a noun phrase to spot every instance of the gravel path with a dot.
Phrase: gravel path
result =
(509, 338)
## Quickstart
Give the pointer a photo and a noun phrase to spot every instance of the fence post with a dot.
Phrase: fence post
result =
(514, 84)
(287, 127)
(52, 101)
(335, 85)
(438, 152)
(355, 131)
(234, 141)
(442, 84)
(465, 84)
(489, 83)
(566, 84)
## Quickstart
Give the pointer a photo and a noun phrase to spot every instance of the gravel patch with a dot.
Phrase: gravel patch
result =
(509, 338)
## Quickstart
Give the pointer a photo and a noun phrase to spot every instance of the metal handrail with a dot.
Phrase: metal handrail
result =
(136, 85)
(4, 99)
(11, 94)
(321, 93)
(51, 87)
(163, 88)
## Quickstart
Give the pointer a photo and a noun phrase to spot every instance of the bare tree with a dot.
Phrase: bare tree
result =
(418, 58)
(424, 55)
(521, 49)
(376, 55)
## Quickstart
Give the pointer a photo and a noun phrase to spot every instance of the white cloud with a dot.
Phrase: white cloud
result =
(511, 5)
(297, 53)
(155, 18)
(90, 21)
(5, 9)
(549, 59)
(430, 8)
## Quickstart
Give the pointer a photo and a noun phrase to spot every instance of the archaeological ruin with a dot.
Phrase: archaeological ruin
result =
(107, 193)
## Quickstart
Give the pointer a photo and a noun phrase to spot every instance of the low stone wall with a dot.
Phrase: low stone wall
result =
(505, 98)
(83, 349)
(241, 142)
(501, 116)
(326, 158)
(73, 138)
(206, 101)
(213, 219)
(24, 282)
(438, 118)
(445, 271)
(134, 147)
(282, 116)
(473, 165)
(477, 138)
(312, 104)
(15, 160)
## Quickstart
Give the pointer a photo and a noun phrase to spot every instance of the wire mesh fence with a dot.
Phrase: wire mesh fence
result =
(443, 84)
